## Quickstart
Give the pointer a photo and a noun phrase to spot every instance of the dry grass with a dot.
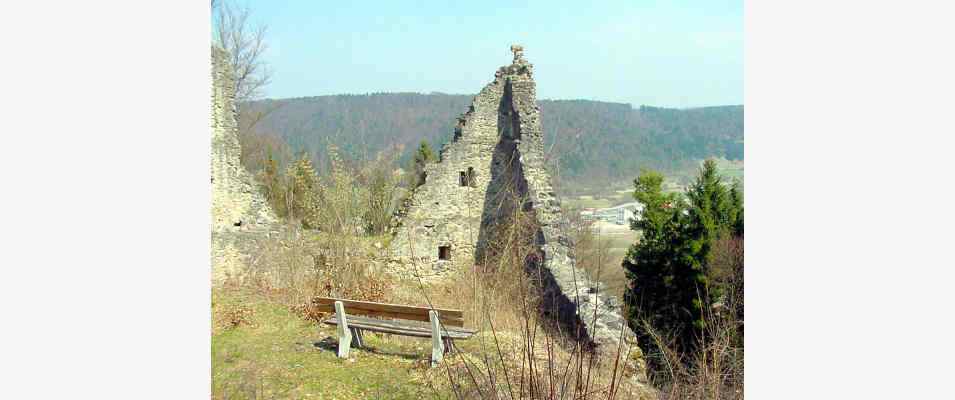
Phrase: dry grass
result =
(295, 268)
(713, 370)
(232, 315)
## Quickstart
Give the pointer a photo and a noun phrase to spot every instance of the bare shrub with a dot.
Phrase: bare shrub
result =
(593, 254)
(383, 193)
(232, 315)
(714, 368)
(298, 266)
(341, 200)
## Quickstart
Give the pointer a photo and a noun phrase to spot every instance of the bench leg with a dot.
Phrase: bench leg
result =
(357, 338)
(437, 345)
(448, 345)
(344, 334)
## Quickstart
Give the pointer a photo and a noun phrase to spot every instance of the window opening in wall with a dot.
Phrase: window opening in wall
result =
(470, 177)
(444, 252)
(467, 178)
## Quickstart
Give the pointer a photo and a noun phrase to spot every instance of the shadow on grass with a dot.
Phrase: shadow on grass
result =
(330, 343)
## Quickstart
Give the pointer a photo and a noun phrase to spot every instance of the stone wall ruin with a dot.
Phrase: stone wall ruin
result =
(240, 214)
(496, 151)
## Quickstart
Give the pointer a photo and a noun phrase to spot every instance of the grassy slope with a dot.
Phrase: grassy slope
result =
(280, 355)
(275, 353)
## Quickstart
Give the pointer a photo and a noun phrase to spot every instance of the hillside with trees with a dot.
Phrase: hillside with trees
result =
(592, 142)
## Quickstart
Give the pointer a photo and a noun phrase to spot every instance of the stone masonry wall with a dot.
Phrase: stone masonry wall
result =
(500, 137)
(240, 214)
(442, 212)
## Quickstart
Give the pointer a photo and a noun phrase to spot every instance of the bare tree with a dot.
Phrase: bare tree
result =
(245, 43)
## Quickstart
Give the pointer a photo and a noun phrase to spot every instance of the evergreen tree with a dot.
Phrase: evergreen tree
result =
(668, 268)
(736, 193)
(650, 264)
(422, 156)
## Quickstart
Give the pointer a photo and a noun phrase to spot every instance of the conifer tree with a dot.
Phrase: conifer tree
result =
(736, 193)
(668, 268)
(649, 263)
(422, 156)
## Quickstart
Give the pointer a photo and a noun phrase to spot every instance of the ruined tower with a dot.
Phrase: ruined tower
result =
(498, 150)
(440, 227)
(240, 214)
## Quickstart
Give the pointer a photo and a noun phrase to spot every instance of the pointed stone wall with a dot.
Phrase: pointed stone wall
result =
(497, 151)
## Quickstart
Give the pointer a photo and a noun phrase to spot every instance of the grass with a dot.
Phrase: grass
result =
(266, 351)
(277, 354)
(588, 202)
(613, 274)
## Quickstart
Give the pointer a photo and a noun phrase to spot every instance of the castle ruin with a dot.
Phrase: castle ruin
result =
(240, 214)
(496, 152)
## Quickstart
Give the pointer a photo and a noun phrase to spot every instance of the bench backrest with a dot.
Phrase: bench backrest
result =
(394, 311)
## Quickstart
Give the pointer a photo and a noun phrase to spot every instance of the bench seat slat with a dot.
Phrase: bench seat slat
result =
(409, 325)
(385, 314)
(402, 327)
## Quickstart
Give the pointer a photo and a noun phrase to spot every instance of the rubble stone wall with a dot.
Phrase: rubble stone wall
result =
(240, 214)
(500, 137)
(442, 212)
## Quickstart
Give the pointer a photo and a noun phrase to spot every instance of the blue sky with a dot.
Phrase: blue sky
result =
(661, 53)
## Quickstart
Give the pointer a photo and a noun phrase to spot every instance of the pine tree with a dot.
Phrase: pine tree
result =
(669, 267)
(649, 263)
(422, 156)
(736, 193)
(709, 215)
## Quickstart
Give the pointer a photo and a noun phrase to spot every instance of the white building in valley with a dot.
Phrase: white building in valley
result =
(620, 215)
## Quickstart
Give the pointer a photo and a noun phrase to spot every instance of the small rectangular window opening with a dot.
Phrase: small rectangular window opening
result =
(463, 179)
(444, 252)
(470, 177)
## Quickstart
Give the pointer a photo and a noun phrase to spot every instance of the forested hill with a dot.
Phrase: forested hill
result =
(588, 141)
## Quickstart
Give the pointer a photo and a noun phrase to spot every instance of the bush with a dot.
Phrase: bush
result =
(383, 190)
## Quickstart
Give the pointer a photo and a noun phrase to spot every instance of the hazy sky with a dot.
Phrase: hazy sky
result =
(661, 53)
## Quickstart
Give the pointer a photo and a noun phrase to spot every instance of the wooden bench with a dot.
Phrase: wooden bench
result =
(353, 317)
